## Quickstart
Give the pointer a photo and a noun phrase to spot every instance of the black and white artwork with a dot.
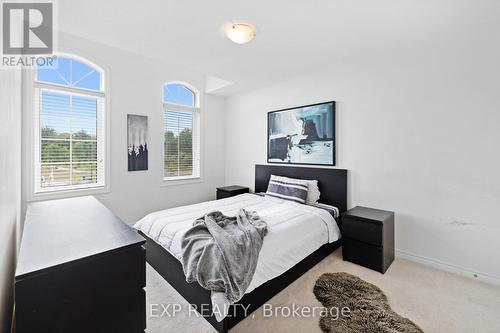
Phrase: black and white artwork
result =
(302, 135)
(137, 141)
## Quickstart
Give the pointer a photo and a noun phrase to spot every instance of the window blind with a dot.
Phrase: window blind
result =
(70, 145)
(181, 145)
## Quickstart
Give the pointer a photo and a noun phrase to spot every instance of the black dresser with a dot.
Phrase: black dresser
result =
(80, 269)
(231, 191)
(368, 237)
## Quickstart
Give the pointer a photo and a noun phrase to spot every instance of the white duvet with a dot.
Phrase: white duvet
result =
(294, 230)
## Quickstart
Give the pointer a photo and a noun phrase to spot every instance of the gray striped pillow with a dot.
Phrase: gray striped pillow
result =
(287, 189)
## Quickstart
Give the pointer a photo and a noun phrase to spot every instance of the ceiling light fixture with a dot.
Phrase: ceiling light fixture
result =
(240, 33)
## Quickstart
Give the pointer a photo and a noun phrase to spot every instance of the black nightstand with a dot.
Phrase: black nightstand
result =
(368, 237)
(231, 191)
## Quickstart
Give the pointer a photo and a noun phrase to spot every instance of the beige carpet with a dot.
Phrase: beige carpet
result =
(436, 301)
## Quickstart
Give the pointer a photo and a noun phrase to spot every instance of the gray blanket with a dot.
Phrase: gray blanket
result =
(221, 252)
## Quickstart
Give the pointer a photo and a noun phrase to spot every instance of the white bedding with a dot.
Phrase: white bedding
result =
(294, 230)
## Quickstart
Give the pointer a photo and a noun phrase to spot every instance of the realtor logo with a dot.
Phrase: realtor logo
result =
(27, 28)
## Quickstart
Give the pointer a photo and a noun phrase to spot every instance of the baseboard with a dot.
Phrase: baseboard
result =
(456, 269)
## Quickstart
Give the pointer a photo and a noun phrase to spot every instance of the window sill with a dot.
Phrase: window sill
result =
(68, 193)
(181, 181)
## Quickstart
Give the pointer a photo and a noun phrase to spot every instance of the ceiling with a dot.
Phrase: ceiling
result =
(293, 37)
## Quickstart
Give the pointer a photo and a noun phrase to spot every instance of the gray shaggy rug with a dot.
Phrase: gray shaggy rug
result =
(369, 309)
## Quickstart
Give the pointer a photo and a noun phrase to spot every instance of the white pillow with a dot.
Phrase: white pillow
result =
(313, 192)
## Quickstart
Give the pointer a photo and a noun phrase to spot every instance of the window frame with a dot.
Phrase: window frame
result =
(196, 112)
(34, 88)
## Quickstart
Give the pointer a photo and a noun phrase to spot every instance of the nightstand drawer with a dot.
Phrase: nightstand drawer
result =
(363, 254)
(225, 194)
(368, 232)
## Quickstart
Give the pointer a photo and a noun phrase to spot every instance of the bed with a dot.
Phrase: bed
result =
(314, 230)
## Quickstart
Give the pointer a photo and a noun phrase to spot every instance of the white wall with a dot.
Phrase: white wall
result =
(136, 87)
(10, 187)
(418, 128)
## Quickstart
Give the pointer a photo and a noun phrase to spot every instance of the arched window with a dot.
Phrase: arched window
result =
(69, 126)
(177, 93)
(181, 131)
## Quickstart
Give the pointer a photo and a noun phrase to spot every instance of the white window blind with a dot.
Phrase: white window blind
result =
(181, 133)
(70, 126)
(181, 157)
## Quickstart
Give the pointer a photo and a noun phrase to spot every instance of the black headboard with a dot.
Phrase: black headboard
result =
(332, 182)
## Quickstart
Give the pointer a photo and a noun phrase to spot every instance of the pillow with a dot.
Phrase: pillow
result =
(287, 189)
(313, 192)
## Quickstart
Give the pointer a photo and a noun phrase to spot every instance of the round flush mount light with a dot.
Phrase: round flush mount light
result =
(240, 33)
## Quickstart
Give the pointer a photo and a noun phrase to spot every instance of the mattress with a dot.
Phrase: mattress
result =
(294, 230)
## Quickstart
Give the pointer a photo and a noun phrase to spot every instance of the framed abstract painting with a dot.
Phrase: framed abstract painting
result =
(302, 135)
(137, 142)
